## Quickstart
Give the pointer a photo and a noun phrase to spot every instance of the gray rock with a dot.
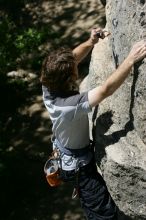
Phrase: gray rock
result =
(120, 122)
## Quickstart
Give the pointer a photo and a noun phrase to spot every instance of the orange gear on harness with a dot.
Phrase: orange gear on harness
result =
(51, 170)
(53, 179)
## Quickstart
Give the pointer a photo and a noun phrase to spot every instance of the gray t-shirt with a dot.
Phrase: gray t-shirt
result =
(69, 115)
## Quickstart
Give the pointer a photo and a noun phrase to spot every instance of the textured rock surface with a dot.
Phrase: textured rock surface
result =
(121, 119)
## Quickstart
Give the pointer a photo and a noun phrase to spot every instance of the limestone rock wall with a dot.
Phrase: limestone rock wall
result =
(120, 120)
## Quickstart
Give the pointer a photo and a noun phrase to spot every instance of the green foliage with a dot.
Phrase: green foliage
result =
(6, 44)
(19, 47)
(28, 40)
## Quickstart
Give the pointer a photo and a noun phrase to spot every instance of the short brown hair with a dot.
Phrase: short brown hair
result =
(58, 70)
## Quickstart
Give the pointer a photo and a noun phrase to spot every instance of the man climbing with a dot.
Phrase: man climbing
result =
(69, 110)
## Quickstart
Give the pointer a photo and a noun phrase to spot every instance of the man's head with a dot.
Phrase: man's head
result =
(59, 70)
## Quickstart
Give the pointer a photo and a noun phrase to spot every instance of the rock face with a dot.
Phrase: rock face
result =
(120, 121)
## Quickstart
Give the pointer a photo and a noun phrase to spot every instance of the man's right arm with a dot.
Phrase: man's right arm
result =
(83, 49)
(114, 81)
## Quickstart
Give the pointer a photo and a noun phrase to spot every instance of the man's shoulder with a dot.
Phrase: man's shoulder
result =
(69, 98)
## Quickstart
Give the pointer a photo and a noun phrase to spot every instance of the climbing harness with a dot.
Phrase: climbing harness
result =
(55, 175)
(76, 155)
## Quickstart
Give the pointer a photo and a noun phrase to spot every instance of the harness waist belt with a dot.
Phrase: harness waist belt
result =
(71, 152)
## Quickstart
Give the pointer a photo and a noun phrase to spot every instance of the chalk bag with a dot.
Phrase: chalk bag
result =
(51, 170)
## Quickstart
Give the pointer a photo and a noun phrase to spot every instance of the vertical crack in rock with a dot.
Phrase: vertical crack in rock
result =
(142, 2)
(115, 56)
(129, 125)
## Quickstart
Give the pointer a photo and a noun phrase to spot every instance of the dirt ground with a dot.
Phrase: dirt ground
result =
(25, 193)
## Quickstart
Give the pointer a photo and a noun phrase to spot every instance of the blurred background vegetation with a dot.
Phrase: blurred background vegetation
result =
(29, 29)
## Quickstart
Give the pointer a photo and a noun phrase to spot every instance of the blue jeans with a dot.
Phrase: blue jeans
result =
(93, 194)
